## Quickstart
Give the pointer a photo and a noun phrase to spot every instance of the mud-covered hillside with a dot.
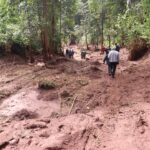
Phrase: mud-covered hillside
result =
(86, 109)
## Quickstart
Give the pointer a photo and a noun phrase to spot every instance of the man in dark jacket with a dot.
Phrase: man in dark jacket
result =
(106, 60)
(117, 47)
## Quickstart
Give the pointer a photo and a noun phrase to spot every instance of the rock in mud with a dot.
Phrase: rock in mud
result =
(36, 125)
(3, 144)
(44, 135)
(40, 64)
(60, 127)
(142, 130)
(65, 94)
(55, 115)
(24, 114)
(83, 82)
(54, 142)
(141, 122)
(5, 94)
(1, 130)
(46, 120)
(14, 141)
(100, 125)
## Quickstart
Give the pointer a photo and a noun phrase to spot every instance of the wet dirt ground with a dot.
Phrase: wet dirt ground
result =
(88, 110)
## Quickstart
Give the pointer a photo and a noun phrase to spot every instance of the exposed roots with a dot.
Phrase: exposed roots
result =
(138, 48)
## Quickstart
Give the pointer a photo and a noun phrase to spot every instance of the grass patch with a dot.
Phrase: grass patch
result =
(46, 85)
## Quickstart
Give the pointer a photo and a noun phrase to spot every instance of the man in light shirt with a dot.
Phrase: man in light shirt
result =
(113, 57)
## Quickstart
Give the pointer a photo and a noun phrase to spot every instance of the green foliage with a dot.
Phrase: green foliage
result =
(134, 23)
(121, 22)
(46, 85)
(23, 21)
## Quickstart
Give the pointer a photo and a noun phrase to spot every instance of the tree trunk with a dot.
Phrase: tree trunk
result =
(44, 32)
(109, 38)
(52, 36)
(31, 58)
(102, 24)
(102, 34)
(60, 23)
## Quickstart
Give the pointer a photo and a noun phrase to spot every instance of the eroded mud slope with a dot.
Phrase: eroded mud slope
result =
(86, 111)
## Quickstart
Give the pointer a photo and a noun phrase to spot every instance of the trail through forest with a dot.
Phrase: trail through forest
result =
(87, 110)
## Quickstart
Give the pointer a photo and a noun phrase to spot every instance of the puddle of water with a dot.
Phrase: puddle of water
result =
(28, 100)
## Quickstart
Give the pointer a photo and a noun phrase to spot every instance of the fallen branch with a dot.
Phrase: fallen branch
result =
(72, 105)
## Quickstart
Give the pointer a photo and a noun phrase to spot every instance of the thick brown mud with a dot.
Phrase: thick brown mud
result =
(88, 110)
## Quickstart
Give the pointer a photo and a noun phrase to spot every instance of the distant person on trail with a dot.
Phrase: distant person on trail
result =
(103, 49)
(106, 60)
(113, 57)
(117, 47)
(72, 53)
(83, 54)
(67, 52)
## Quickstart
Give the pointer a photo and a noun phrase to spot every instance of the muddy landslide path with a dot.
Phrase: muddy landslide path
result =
(86, 111)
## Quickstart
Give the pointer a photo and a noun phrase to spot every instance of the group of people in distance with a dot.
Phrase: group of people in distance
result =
(112, 59)
(70, 52)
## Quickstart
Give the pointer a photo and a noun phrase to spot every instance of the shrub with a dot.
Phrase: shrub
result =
(46, 85)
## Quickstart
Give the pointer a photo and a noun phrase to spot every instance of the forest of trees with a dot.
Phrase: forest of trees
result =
(46, 25)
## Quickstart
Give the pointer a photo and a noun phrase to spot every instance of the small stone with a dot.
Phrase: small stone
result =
(46, 120)
(3, 144)
(4, 125)
(29, 142)
(36, 126)
(97, 119)
(40, 64)
(1, 130)
(88, 108)
(44, 135)
(142, 130)
(100, 125)
(94, 136)
(53, 142)
(14, 141)
(60, 127)
(65, 94)
(8, 121)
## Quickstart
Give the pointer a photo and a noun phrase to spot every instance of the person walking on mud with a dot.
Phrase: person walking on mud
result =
(113, 57)
(117, 47)
(106, 60)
